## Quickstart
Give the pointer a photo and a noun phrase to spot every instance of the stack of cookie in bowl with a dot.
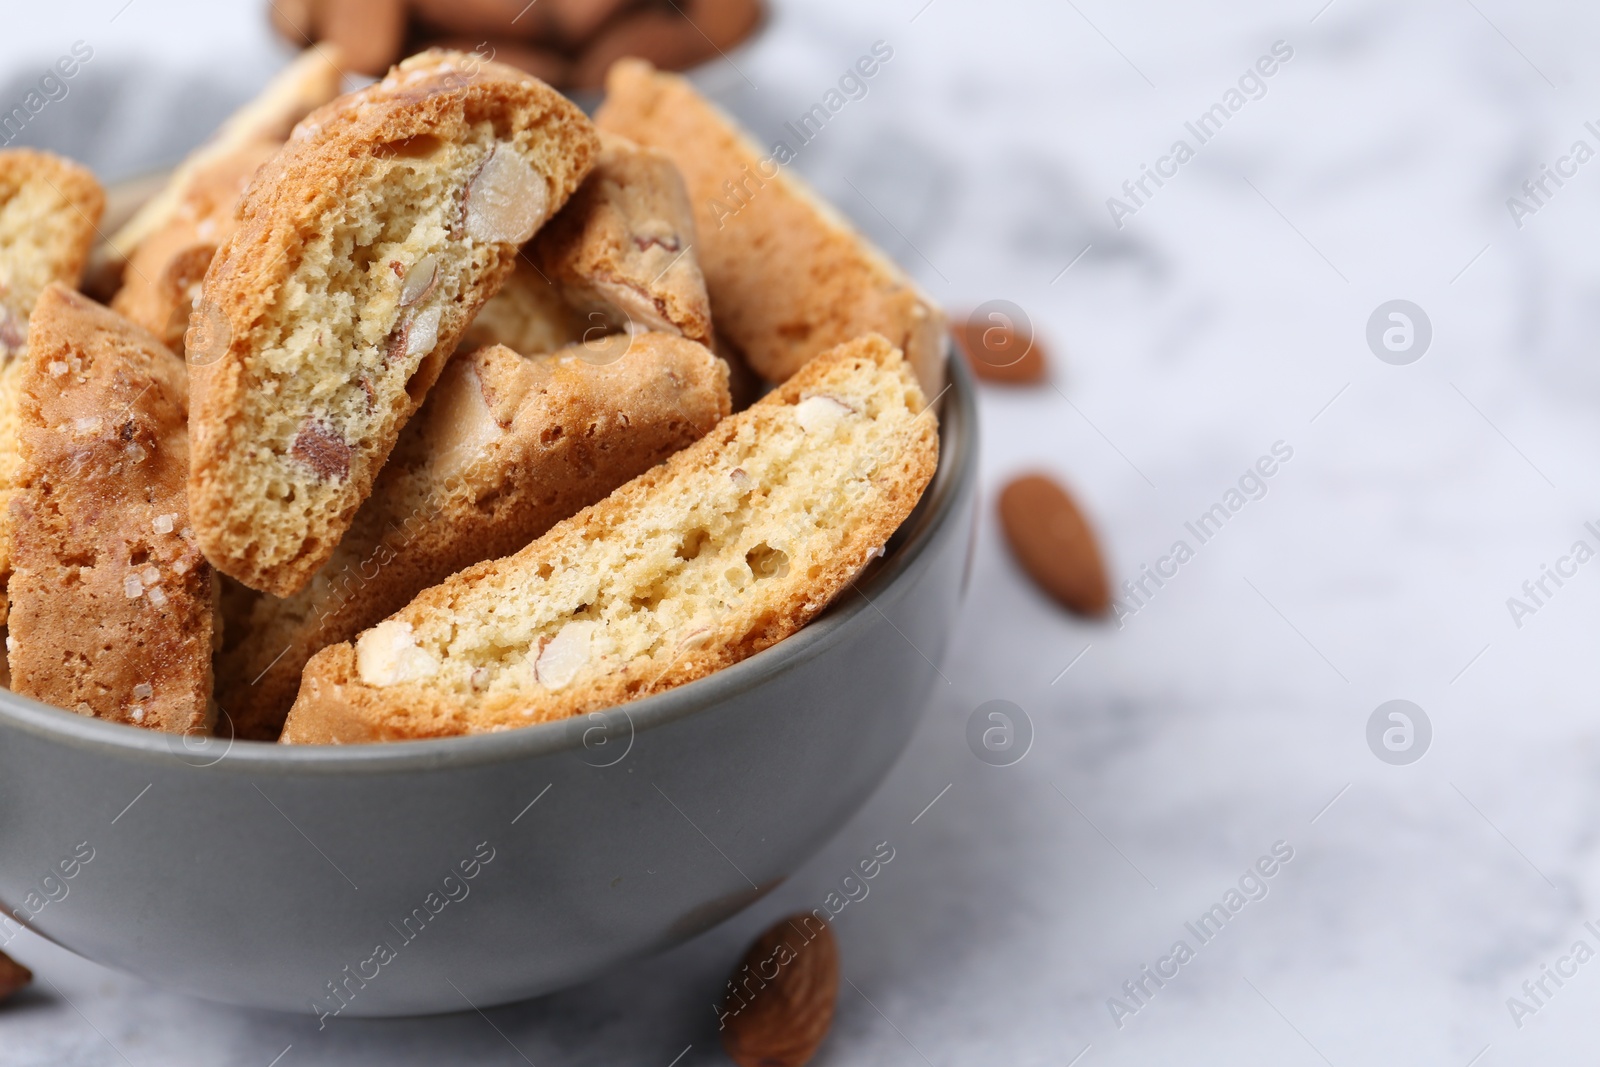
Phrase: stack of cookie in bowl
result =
(430, 410)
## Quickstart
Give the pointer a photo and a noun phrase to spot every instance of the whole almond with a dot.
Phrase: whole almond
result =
(370, 33)
(1054, 543)
(295, 20)
(576, 21)
(998, 353)
(726, 22)
(782, 996)
(13, 976)
(543, 63)
(665, 38)
(496, 18)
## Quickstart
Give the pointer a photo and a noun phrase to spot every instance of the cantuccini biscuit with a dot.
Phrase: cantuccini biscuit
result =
(625, 245)
(364, 249)
(619, 256)
(504, 447)
(788, 276)
(49, 208)
(730, 546)
(112, 602)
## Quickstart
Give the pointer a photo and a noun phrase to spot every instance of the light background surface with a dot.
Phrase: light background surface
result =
(1228, 314)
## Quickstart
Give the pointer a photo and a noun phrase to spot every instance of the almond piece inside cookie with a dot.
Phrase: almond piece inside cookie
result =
(618, 258)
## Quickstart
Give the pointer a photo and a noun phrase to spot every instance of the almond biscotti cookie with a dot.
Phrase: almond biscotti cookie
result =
(111, 600)
(788, 276)
(730, 546)
(364, 249)
(624, 246)
(619, 256)
(504, 448)
(49, 208)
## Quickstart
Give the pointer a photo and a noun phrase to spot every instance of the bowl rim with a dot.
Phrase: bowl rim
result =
(957, 467)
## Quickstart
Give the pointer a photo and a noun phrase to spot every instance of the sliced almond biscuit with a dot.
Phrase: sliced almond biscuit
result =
(619, 256)
(727, 548)
(49, 208)
(624, 247)
(364, 249)
(788, 276)
(111, 603)
(504, 448)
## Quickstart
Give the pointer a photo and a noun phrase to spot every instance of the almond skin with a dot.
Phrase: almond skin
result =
(725, 22)
(370, 33)
(664, 37)
(1054, 543)
(295, 20)
(782, 995)
(542, 62)
(13, 976)
(997, 353)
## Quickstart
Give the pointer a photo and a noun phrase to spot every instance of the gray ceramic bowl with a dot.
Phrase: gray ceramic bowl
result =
(413, 877)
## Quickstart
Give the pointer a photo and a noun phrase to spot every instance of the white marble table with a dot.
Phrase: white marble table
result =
(1228, 313)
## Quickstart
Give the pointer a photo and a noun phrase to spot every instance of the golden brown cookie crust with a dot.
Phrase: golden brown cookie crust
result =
(504, 448)
(285, 450)
(112, 602)
(788, 277)
(837, 458)
(49, 210)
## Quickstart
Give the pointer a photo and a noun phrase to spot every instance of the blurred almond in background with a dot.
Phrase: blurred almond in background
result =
(568, 43)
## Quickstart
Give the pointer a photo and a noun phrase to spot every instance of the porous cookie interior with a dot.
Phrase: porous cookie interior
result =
(356, 317)
(30, 240)
(752, 526)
